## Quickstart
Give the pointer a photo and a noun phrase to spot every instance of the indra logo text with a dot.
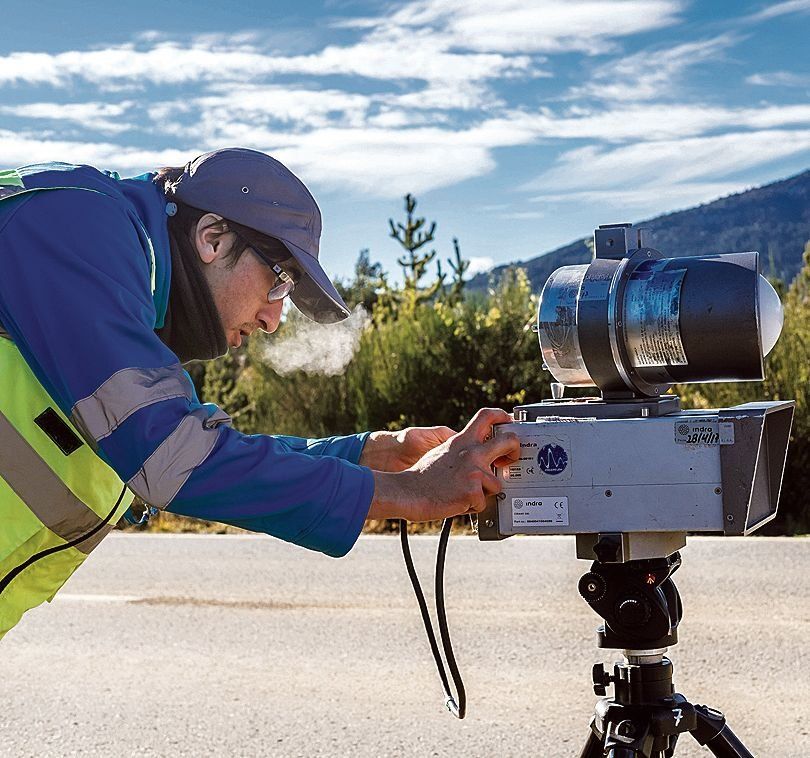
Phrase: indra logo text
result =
(552, 459)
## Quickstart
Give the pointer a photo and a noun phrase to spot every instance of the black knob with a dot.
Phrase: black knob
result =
(626, 728)
(592, 587)
(601, 679)
(633, 611)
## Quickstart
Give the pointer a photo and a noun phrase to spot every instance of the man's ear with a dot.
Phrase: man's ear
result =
(209, 237)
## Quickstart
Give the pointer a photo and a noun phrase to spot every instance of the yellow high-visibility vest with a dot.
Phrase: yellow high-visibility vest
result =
(58, 499)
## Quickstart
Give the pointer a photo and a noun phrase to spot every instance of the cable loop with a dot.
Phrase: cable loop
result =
(456, 707)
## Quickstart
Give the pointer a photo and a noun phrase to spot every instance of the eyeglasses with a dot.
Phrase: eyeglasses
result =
(284, 286)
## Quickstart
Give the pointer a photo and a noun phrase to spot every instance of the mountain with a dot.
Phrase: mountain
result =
(773, 219)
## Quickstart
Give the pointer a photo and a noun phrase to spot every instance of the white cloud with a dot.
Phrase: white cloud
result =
(550, 26)
(227, 112)
(650, 74)
(479, 264)
(436, 41)
(265, 114)
(431, 111)
(389, 55)
(655, 121)
(403, 135)
(385, 154)
(371, 143)
(100, 117)
(265, 104)
(387, 163)
(780, 9)
(395, 53)
(21, 148)
(395, 118)
(666, 173)
(779, 79)
(377, 162)
(446, 96)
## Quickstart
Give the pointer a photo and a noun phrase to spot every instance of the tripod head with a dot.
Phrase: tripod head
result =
(638, 601)
(641, 608)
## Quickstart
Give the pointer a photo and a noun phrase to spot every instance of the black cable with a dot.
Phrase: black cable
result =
(441, 615)
(8, 578)
(457, 708)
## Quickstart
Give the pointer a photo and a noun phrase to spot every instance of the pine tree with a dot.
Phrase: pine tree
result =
(413, 236)
(459, 268)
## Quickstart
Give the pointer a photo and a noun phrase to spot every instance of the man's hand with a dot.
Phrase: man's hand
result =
(454, 477)
(397, 451)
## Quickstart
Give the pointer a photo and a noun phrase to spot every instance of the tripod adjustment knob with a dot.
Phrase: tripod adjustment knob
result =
(601, 679)
(592, 587)
(633, 611)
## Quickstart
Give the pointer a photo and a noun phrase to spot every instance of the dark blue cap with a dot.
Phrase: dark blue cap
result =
(256, 190)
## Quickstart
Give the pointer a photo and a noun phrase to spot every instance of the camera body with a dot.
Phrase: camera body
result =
(631, 463)
(589, 467)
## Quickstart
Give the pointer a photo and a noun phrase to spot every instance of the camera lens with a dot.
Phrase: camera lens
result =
(636, 325)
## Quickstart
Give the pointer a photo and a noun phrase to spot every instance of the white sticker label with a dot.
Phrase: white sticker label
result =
(652, 309)
(704, 432)
(540, 511)
(513, 472)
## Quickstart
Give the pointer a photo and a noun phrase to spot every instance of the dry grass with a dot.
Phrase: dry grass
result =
(165, 522)
(170, 523)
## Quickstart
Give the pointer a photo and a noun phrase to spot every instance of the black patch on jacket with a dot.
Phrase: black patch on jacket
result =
(58, 431)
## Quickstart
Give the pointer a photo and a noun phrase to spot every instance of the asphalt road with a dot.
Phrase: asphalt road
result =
(245, 646)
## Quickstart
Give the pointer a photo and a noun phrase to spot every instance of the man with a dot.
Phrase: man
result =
(106, 287)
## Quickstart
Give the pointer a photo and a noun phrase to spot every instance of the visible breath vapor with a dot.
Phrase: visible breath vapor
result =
(318, 348)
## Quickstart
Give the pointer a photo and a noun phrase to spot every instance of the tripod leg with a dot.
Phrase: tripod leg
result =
(713, 732)
(593, 747)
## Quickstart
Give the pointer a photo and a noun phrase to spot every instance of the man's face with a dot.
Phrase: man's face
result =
(240, 291)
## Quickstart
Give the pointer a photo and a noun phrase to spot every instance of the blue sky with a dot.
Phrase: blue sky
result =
(518, 125)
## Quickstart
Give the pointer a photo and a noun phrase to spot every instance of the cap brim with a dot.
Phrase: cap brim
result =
(315, 295)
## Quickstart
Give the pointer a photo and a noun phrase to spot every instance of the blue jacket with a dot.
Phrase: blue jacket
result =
(81, 300)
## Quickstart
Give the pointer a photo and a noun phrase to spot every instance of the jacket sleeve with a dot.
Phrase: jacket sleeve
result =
(75, 297)
(349, 448)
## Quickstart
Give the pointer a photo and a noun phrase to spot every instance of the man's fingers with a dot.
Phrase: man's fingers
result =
(443, 433)
(503, 462)
(502, 446)
(480, 424)
(491, 484)
(476, 500)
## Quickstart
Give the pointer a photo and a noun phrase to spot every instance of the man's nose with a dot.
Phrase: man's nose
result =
(269, 316)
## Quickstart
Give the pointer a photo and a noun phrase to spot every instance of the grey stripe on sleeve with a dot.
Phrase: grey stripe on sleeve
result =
(166, 470)
(126, 391)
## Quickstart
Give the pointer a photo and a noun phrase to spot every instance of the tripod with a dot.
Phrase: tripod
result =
(641, 608)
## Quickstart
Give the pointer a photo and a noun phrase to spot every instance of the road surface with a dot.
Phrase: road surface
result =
(187, 645)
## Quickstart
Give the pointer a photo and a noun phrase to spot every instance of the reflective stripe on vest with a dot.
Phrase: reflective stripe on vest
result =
(48, 499)
(43, 491)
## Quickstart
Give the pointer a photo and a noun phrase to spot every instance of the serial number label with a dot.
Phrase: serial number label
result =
(704, 432)
(540, 511)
